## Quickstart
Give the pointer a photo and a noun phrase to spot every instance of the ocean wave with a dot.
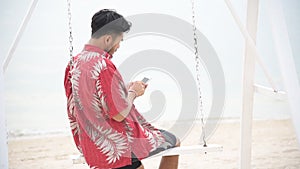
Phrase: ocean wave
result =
(15, 134)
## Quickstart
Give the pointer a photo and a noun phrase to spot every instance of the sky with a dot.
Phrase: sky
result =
(34, 78)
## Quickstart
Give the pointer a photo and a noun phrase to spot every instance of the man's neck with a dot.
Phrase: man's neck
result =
(97, 43)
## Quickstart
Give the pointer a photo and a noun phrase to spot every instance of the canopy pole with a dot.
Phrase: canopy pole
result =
(251, 43)
(285, 60)
(251, 54)
(19, 35)
(3, 130)
(248, 87)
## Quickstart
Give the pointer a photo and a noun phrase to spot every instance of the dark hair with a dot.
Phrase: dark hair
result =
(108, 22)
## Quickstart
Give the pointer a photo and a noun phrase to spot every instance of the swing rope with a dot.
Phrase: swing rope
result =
(197, 59)
(70, 33)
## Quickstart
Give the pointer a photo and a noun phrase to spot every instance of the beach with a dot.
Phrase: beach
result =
(34, 102)
(274, 146)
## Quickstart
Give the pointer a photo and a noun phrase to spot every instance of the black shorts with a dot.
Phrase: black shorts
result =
(170, 142)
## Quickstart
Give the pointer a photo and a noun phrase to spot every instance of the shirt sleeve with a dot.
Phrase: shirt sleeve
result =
(113, 90)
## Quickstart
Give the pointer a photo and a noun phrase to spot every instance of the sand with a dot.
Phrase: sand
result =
(274, 147)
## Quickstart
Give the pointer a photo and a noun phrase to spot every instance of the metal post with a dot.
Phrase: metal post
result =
(285, 60)
(3, 130)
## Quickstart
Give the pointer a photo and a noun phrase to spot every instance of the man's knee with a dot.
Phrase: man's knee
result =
(177, 142)
(141, 167)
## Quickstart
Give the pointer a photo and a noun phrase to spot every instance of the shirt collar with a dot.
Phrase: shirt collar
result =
(93, 48)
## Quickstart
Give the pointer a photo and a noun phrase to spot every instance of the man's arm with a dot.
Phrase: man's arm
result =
(136, 89)
(118, 99)
(123, 114)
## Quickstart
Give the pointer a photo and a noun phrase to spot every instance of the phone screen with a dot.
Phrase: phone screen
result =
(145, 80)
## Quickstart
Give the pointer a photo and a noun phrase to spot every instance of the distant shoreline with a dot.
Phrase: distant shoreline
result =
(29, 134)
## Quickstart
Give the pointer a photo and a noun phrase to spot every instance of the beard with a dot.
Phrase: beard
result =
(112, 50)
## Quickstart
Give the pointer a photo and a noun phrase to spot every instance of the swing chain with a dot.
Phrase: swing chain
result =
(197, 59)
(70, 32)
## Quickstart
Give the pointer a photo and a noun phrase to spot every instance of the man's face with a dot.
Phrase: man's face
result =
(116, 44)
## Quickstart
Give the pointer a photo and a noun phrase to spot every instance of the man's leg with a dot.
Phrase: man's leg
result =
(141, 167)
(135, 163)
(170, 162)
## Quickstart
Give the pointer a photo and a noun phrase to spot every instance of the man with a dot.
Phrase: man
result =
(107, 128)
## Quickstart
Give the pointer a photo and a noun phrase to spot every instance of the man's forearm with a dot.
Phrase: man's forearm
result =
(123, 114)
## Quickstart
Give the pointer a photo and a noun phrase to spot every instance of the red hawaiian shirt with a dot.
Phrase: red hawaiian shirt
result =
(96, 92)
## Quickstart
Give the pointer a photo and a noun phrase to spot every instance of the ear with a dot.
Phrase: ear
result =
(108, 39)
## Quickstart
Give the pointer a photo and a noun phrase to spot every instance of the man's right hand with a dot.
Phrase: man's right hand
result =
(138, 87)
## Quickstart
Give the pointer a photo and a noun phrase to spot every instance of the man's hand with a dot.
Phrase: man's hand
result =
(138, 87)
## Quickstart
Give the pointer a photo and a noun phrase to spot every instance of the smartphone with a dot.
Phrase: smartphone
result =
(145, 79)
